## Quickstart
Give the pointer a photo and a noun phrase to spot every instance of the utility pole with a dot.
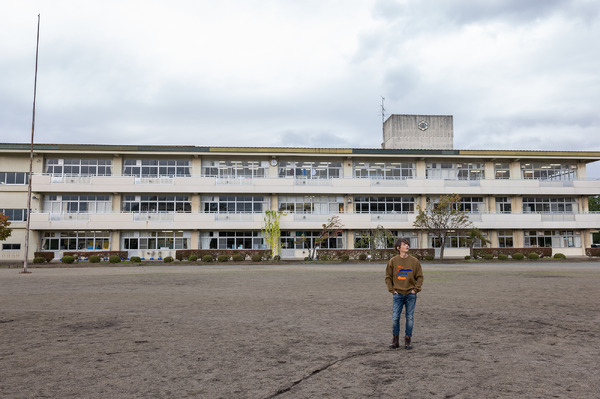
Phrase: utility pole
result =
(37, 45)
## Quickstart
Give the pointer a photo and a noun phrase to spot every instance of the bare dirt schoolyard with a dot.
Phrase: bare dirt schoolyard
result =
(502, 330)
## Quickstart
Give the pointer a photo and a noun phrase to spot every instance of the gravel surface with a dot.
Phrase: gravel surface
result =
(515, 330)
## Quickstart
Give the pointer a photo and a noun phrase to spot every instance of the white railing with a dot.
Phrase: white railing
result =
(235, 217)
(154, 180)
(155, 217)
(389, 217)
(241, 181)
(65, 217)
(313, 182)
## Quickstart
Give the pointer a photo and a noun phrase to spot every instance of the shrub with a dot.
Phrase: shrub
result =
(207, 258)
(223, 258)
(67, 259)
(429, 257)
(345, 258)
(256, 258)
(467, 257)
(488, 256)
(306, 258)
(39, 260)
(135, 259)
(114, 259)
(94, 259)
(168, 259)
(362, 257)
(238, 257)
(533, 256)
(192, 258)
(518, 256)
(559, 256)
(276, 258)
(502, 257)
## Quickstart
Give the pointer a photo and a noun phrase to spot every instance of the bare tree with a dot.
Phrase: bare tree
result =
(441, 217)
(332, 228)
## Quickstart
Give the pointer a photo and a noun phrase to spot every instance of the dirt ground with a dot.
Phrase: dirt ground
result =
(518, 330)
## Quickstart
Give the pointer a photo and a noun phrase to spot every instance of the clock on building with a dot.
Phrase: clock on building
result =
(423, 125)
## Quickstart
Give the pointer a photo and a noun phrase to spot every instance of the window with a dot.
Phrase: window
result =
(306, 239)
(412, 236)
(549, 205)
(67, 203)
(553, 238)
(231, 240)
(503, 205)
(11, 247)
(310, 170)
(440, 170)
(472, 204)
(364, 204)
(78, 167)
(470, 171)
(15, 215)
(14, 178)
(453, 240)
(234, 203)
(311, 204)
(502, 170)
(155, 240)
(156, 168)
(234, 169)
(505, 239)
(157, 203)
(548, 171)
(384, 170)
(76, 240)
(453, 171)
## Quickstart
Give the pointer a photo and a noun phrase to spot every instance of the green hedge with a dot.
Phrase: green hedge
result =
(67, 259)
(182, 254)
(542, 252)
(363, 254)
(103, 254)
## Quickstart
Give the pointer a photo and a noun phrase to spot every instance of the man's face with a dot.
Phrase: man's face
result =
(404, 247)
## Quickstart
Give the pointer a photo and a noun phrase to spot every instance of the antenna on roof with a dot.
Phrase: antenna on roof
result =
(382, 110)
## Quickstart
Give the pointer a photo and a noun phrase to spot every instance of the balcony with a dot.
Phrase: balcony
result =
(199, 184)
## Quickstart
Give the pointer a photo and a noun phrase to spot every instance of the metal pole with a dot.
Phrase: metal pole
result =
(25, 270)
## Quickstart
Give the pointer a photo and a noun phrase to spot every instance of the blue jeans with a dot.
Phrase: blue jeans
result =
(400, 300)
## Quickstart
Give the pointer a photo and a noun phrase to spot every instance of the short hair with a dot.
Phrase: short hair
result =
(400, 241)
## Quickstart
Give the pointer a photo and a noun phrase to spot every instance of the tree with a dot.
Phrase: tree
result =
(376, 240)
(441, 217)
(5, 232)
(332, 228)
(473, 236)
(594, 203)
(271, 231)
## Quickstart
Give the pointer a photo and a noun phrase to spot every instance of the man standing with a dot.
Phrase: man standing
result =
(404, 278)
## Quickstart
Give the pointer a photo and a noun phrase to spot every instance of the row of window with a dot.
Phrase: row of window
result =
(145, 168)
(287, 204)
(156, 240)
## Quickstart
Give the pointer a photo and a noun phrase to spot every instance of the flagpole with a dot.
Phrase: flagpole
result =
(37, 45)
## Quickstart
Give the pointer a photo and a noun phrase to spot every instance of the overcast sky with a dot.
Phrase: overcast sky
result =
(515, 74)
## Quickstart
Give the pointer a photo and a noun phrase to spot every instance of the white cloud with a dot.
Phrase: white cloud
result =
(515, 75)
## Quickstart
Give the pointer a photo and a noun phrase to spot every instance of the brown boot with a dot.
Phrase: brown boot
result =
(395, 342)
(407, 344)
